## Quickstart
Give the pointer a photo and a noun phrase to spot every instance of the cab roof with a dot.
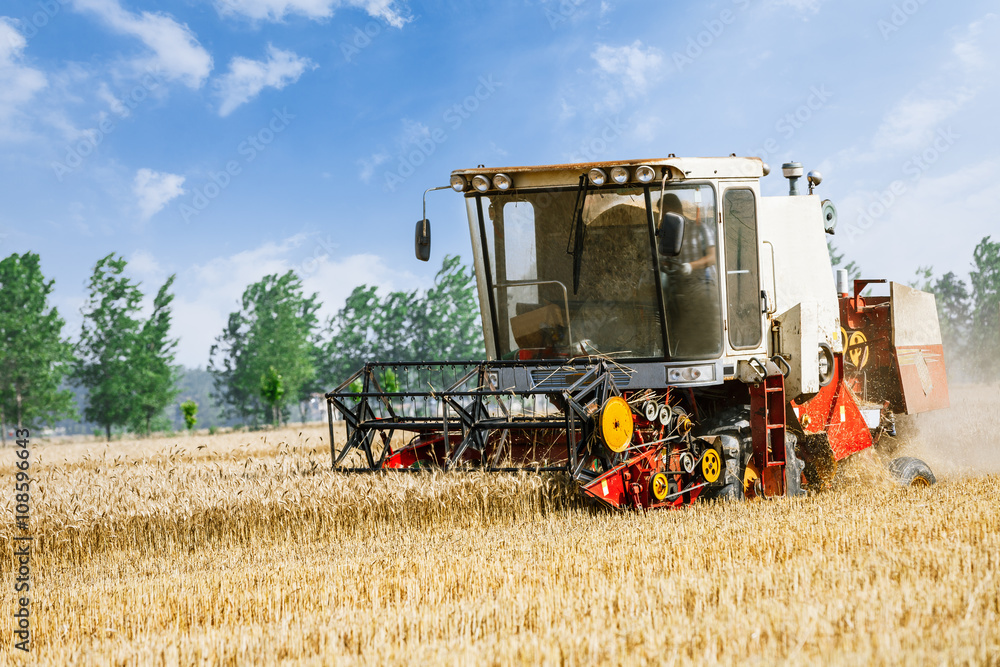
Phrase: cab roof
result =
(682, 168)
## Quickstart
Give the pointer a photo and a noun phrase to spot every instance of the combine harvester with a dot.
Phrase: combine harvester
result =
(660, 332)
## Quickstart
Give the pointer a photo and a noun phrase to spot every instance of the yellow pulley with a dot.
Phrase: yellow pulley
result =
(659, 486)
(711, 466)
(616, 424)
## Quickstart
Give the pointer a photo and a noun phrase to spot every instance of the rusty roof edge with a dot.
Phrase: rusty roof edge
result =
(586, 166)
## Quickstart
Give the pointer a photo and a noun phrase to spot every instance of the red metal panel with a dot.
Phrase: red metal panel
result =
(835, 411)
(922, 377)
(609, 488)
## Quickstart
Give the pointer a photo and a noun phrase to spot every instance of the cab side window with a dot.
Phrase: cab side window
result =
(739, 216)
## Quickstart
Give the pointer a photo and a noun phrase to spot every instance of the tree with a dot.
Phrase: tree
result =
(272, 390)
(274, 328)
(955, 318)
(836, 259)
(154, 372)
(450, 326)
(985, 334)
(190, 411)
(351, 338)
(107, 339)
(125, 363)
(34, 358)
(439, 324)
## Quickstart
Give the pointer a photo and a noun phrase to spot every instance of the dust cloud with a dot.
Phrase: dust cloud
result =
(960, 441)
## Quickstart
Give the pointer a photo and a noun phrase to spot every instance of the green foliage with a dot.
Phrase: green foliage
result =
(272, 390)
(154, 372)
(273, 329)
(954, 307)
(439, 324)
(836, 259)
(389, 381)
(969, 319)
(125, 364)
(212, 430)
(161, 424)
(190, 411)
(34, 358)
(985, 334)
(450, 326)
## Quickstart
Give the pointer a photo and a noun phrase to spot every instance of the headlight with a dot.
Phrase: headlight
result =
(598, 177)
(691, 374)
(619, 175)
(480, 183)
(502, 181)
(458, 183)
(645, 174)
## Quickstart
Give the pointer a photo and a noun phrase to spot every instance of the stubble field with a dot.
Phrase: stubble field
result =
(245, 549)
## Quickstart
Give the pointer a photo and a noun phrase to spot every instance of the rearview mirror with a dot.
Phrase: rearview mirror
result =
(422, 242)
(671, 234)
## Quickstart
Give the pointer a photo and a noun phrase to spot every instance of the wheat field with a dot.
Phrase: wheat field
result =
(243, 549)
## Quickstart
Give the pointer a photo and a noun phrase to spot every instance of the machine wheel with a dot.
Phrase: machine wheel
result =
(734, 467)
(659, 487)
(908, 471)
(793, 467)
(825, 360)
(711, 465)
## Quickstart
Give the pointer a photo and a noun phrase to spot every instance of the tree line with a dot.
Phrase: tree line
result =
(968, 313)
(273, 353)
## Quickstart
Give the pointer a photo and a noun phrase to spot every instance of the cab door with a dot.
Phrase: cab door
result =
(742, 268)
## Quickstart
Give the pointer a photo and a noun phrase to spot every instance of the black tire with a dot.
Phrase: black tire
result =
(793, 467)
(734, 466)
(909, 471)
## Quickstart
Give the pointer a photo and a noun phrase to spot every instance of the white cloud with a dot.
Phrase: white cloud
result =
(368, 164)
(246, 78)
(144, 266)
(635, 64)
(912, 122)
(392, 12)
(627, 71)
(949, 213)
(18, 82)
(154, 190)
(178, 54)
(804, 6)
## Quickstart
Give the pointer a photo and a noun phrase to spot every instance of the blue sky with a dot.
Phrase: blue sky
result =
(224, 140)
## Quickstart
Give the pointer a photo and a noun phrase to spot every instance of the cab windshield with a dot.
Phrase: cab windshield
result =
(578, 272)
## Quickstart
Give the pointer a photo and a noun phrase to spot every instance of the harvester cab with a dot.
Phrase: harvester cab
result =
(657, 330)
